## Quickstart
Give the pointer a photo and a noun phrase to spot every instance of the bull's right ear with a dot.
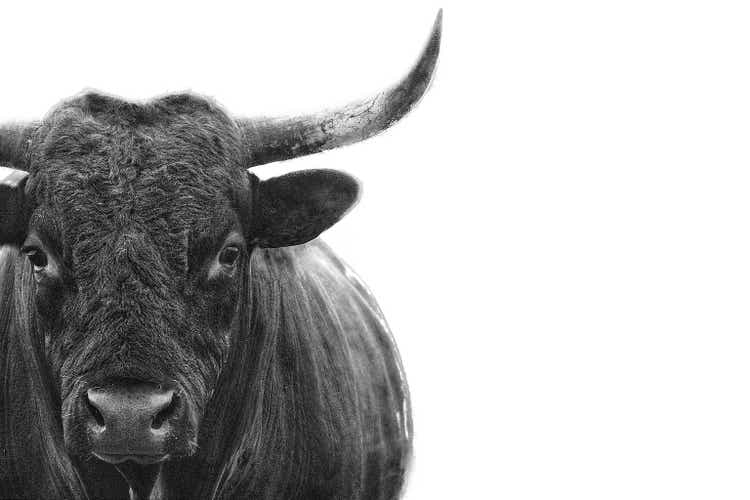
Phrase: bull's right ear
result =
(295, 208)
(13, 212)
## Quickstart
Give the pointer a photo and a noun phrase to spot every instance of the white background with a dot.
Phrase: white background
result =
(558, 234)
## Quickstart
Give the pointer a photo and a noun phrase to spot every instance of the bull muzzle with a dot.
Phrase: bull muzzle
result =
(135, 421)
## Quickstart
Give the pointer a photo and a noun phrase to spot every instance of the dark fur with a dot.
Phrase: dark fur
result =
(288, 361)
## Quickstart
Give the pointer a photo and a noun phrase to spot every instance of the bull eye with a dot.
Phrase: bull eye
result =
(229, 255)
(37, 258)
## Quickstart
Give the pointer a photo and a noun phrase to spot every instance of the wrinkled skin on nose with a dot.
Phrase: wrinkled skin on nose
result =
(132, 422)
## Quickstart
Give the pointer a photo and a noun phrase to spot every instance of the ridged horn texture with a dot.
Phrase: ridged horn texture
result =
(13, 145)
(275, 139)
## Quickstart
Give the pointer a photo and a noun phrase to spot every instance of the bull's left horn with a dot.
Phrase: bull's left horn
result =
(275, 139)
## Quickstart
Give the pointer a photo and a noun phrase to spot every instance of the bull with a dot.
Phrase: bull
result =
(172, 327)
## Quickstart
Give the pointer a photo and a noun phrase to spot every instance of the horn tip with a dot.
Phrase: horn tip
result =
(432, 49)
(437, 27)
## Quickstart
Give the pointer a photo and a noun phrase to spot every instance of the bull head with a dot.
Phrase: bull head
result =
(137, 221)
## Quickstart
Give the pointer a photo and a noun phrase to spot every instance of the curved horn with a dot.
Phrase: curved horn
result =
(274, 139)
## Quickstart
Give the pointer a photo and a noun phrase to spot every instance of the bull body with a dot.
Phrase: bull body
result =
(171, 326)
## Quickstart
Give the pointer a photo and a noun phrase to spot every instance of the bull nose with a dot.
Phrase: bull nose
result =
(130, 420)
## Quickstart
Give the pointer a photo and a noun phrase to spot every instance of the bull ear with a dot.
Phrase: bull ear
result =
(13, 213)
(295, 208)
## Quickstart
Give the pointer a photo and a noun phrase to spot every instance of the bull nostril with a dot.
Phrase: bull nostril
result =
(164, 414)
(94, 411)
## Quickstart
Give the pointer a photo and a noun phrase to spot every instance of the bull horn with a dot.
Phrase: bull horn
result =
(275, 139)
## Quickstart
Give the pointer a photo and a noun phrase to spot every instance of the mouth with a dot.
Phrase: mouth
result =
(113, 458)
(140, 471)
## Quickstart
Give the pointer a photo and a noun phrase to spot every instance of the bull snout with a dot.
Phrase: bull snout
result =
(132, 421)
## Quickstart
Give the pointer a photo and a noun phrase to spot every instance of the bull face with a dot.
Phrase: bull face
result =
(141, 222)
(135, 273)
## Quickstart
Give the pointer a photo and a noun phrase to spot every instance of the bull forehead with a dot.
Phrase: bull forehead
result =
(111, 173)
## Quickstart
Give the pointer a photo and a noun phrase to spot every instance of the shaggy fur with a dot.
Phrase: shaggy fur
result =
(285, 361)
